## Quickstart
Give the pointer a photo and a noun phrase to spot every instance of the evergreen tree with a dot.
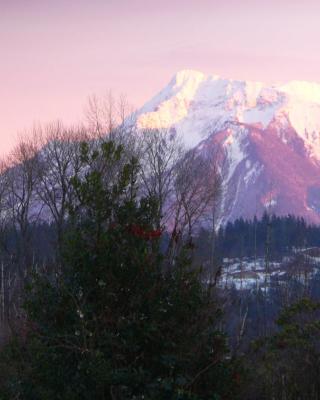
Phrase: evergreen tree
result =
(287, 364)
(111, 322)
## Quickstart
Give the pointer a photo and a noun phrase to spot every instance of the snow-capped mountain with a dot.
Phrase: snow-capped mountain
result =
(269, 137)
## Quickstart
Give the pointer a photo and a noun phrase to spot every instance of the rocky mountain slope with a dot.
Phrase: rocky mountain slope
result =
(268, 136)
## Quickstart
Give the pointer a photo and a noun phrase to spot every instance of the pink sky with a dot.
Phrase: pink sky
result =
(56, 53)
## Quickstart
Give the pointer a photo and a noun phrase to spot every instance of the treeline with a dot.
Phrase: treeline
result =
(279, 235)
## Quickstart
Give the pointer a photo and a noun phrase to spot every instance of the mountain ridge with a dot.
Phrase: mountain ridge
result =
(269, 136)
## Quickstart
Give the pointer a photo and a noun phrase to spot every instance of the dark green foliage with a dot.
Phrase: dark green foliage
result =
(110, 323)
(248, 238)
(288, 363)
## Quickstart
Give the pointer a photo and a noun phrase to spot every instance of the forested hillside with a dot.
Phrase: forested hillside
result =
(249, 238)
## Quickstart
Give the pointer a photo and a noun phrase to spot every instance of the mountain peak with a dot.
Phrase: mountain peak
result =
(212, 102)
(185, 75)
(269, 136)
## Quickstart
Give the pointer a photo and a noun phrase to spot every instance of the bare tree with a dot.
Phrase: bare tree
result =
(5, 216)
(58, 161)
(5, 221)
(160, 152)
(107, 114)
(196, 192)
(19, 213)
(111, 118)
(21, 179)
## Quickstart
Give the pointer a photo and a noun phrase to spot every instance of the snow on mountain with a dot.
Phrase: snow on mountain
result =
(269, 135)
